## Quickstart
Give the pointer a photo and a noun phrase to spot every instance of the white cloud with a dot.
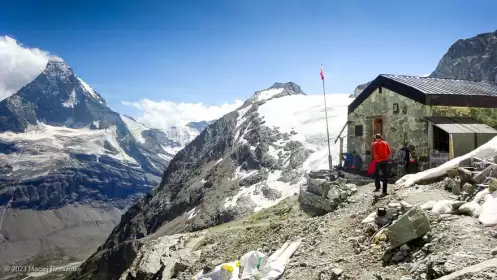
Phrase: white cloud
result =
(19, 65)
(164, 114)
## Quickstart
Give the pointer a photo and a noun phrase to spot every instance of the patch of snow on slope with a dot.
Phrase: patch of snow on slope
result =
(267, 94)
(165, 157)
(272, 182)
(89, 90)
(241, 174)
(155, 166)
(306, 116)
(71, 101)
(171, 150)
(122, 155)
(135, 128)
(57, 144)
(43, 131)
(239, 120)
(255, 194)
(241, 115)
(192, 213)
(274, 152)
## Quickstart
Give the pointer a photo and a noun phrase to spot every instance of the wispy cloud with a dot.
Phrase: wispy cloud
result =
(19, 65)
(164, 114)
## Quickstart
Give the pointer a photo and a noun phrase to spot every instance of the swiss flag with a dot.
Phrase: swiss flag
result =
(322, 73)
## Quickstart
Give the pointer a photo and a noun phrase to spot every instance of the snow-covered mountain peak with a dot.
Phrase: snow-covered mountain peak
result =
(57, 67)
(275, 91)
(56, 97)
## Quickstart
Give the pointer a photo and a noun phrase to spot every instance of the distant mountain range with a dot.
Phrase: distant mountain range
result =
(472, 59)
(60, 146)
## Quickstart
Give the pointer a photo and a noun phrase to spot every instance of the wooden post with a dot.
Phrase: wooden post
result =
(451, 147)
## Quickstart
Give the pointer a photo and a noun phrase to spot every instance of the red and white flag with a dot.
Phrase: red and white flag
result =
(322, 72)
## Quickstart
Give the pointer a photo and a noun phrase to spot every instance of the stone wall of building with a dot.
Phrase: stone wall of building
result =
(407, 125)
(483, 115)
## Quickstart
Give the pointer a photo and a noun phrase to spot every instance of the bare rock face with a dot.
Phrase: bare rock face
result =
(359, 89)
(166, 256)
(470, 59)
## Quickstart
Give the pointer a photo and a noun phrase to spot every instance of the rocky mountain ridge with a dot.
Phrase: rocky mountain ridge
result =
(470, 59)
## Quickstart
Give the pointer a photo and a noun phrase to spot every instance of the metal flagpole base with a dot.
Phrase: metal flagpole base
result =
(330, 162)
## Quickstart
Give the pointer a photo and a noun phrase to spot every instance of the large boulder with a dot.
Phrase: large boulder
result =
(412, 225)
(488, 213)
(270, 193)
(166, 256)
(469, 271)
(470, 208)
(316, 204)
(322, 196)
(318, 186)
(480, 196)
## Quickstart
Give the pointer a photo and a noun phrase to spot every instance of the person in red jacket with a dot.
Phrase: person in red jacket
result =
(381, 153)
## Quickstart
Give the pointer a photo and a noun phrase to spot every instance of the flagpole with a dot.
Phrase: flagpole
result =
(330, 164)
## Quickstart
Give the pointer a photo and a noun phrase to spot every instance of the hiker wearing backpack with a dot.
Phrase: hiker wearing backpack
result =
(405, 157)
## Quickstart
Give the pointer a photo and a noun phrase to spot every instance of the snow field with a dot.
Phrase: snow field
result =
(303, 117)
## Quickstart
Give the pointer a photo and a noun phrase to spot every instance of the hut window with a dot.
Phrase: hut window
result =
(358, 130)
(396, 108)
(380, 90)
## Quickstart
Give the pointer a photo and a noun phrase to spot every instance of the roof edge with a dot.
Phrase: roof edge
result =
(383, 81)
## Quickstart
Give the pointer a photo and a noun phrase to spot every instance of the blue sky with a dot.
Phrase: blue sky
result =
(223, 50)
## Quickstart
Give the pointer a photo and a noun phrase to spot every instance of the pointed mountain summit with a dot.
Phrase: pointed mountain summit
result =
(289, 87)
(55, 97)
(275, 91)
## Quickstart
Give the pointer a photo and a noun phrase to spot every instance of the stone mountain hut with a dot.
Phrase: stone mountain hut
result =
(440, 118)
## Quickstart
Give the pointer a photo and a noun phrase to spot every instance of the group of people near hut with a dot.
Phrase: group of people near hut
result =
(381, 162)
